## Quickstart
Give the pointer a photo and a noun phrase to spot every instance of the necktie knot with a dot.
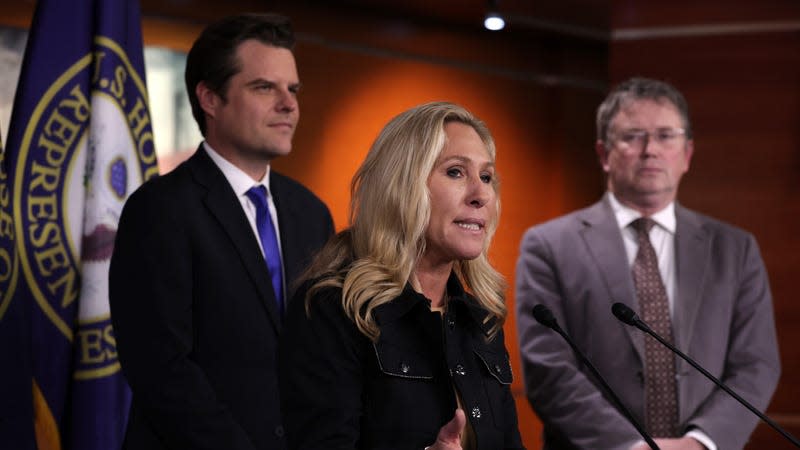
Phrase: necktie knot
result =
(643, 225)
(258, 195)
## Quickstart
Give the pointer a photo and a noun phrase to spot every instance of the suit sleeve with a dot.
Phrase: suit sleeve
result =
(151, 305)
(752, 363)
(321, 374)
(569, 403)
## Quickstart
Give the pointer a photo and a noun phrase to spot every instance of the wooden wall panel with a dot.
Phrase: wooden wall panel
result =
(671, 13)
(744, 94)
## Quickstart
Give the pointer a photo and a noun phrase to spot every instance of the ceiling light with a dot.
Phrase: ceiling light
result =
(494, 21)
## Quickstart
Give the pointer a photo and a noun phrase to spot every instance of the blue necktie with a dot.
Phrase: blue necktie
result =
(269, 240)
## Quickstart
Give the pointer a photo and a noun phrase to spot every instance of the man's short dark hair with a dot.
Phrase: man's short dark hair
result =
(212, 58)
(640, 89)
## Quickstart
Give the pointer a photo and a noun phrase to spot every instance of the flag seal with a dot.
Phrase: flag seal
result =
(54, 174)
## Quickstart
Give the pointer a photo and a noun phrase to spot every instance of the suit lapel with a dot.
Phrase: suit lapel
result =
(692, 252)
(289, 222)
(602, 236)
(221, 201)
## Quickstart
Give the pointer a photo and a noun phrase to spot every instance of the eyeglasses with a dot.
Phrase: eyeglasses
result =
(636, 139)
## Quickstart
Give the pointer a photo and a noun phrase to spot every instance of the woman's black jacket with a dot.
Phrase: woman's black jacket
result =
(339, 390)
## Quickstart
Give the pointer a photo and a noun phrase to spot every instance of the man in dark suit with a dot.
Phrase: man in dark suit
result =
(702, 281)
(196, 292)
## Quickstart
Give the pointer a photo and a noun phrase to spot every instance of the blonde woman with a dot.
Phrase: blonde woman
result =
(395, 339)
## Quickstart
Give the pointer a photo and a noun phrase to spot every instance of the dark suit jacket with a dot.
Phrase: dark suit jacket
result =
(193, 308)
(576, 265)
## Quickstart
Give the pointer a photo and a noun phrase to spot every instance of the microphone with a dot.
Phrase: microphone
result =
(544, 316)
(628, 316)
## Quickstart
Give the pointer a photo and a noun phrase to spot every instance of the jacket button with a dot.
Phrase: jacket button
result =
(459, 370)
(451, 323)
(475, 413)
(279, 431)
(497, 369)
(404, 367)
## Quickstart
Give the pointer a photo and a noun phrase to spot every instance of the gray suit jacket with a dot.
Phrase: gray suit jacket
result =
(576, 265)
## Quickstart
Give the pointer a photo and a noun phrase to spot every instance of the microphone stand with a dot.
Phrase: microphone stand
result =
(544, 316)
(626, 315)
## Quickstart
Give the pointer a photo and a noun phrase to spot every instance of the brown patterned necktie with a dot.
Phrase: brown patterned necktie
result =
(661, 401)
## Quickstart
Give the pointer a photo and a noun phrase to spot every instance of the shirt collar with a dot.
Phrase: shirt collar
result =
(411, 299)
(625, 215)
(238, 179)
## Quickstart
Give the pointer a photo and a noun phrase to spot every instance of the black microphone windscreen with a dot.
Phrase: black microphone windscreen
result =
(624, 313)
(544, 316)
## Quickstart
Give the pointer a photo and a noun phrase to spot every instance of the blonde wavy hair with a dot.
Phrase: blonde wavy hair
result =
(374, 258)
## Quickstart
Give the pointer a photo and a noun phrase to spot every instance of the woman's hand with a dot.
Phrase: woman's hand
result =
(449, 437)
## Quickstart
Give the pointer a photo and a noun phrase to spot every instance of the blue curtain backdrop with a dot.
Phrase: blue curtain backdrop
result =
(79, 142)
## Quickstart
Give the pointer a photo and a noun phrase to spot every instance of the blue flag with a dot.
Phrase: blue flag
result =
(80, 141)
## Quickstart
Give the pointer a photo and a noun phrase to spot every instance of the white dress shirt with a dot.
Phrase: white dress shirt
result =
(662, 237)
(241, 183)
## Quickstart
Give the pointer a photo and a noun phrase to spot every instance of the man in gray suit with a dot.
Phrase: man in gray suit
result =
(707, 280)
